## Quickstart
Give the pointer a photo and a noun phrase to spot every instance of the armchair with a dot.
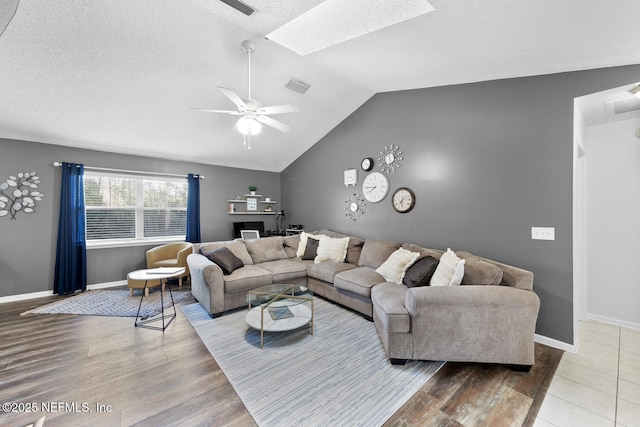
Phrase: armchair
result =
(170, 255)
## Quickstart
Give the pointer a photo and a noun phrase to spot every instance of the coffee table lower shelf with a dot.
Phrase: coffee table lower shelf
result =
(279, 318)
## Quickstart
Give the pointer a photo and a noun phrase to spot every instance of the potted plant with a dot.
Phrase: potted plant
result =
(252, 189)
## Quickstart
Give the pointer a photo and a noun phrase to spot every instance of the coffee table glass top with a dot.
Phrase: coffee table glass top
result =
(280, 293)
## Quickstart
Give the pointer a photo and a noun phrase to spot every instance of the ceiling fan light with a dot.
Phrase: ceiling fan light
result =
(248, 125)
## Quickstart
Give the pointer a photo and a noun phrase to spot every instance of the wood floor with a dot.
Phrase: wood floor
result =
(102, 371)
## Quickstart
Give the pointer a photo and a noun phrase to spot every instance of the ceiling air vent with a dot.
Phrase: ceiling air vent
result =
(297, 86)
(239, 6)
(625, 105)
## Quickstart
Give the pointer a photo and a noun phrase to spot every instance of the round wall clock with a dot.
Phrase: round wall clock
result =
(367, 164)
(375, 187)
(354, 206)
(403, 200)
(390, 158)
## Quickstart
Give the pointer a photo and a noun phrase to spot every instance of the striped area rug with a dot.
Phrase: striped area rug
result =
(339, 376)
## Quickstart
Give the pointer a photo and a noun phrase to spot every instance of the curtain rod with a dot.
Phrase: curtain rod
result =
(94, 168)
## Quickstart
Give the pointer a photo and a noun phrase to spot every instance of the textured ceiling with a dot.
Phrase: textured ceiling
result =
(121, 75)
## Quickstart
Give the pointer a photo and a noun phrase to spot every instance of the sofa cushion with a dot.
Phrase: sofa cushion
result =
(353, 250)
(436, 253)
(236, 246)
(388, 303)
(311, 251)
(226, 260)
(267, 249)
(375, 252)
(284, 269)
(449, 271)
(291, 244)
(332, 249)
(395, 267)
(478, 271)
(420, 273)
(302, 245)
(327, 270)
(247, 278)
(358, 281)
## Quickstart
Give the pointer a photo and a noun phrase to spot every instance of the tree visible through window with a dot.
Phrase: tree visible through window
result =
(121, 207)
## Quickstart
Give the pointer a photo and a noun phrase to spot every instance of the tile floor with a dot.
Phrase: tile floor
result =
(598, 386)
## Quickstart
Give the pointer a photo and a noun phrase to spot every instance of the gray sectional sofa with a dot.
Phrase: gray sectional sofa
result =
(490, 317)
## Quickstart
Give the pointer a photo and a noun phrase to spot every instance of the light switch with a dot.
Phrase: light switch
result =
(543, 233)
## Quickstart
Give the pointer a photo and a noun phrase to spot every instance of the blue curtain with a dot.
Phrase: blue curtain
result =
(193, 209)
(71, 249)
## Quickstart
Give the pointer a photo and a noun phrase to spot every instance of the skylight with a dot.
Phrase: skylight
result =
(336, 21)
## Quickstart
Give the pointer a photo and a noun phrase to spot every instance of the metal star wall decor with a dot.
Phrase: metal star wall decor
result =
(19, 193)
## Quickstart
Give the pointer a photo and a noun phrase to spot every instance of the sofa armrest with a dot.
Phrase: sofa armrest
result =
(494, 324)
(207, 283)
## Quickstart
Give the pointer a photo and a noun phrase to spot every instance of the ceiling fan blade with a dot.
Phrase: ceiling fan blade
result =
(278, 109)
(234, 98)
(273, 123)
(232, 112)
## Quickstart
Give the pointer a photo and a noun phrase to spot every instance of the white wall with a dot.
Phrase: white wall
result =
(613, 222)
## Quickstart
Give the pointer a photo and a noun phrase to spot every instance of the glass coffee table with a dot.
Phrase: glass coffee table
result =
(278, 308)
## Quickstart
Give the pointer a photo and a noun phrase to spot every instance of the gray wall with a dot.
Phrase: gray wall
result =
(487, 161)
(27, 244)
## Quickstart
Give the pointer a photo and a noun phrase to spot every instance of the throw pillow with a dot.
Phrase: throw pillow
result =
(330, 249)
(226, 260)
(303, 242)
(450, 270)
(311, 251)
(395, 267)
(420, 273)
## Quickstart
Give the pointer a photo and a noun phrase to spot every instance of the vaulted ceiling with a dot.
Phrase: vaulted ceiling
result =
(122, 75)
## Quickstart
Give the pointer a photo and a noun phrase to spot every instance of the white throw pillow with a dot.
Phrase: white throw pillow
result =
(395, 267)
(332, 249)
(303, 242)
(449, 271)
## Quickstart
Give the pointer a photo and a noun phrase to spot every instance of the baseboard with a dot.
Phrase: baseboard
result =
(107, 285)
(41, 294)
(612, 321)
(560, 345)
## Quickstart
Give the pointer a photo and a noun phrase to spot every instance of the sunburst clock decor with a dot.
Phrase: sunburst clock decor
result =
(390, 158)
(354, 206)
(19, 193)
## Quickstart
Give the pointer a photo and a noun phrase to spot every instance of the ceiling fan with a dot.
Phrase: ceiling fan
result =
(252, 113)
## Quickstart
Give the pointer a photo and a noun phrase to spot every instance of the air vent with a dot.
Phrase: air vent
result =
(297, 86)
(625, 105)
(239, 6)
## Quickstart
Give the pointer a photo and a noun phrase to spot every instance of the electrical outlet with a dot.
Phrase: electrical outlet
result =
(543, 233)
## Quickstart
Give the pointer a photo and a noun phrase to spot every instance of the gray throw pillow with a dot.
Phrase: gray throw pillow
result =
(419, 274)
(311, 251)
(226, 260)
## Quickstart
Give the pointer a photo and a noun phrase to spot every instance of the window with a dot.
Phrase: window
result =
(129, 209)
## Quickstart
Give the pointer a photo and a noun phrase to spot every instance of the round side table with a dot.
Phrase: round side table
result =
(155, 277)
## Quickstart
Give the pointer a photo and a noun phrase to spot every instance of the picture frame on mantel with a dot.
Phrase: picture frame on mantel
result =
(252, 204)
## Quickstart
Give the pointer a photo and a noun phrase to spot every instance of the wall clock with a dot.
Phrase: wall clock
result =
(367, 164)
(375, 187)
(403, 200)
(354, 206)
(350, 177)
(390, 158)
